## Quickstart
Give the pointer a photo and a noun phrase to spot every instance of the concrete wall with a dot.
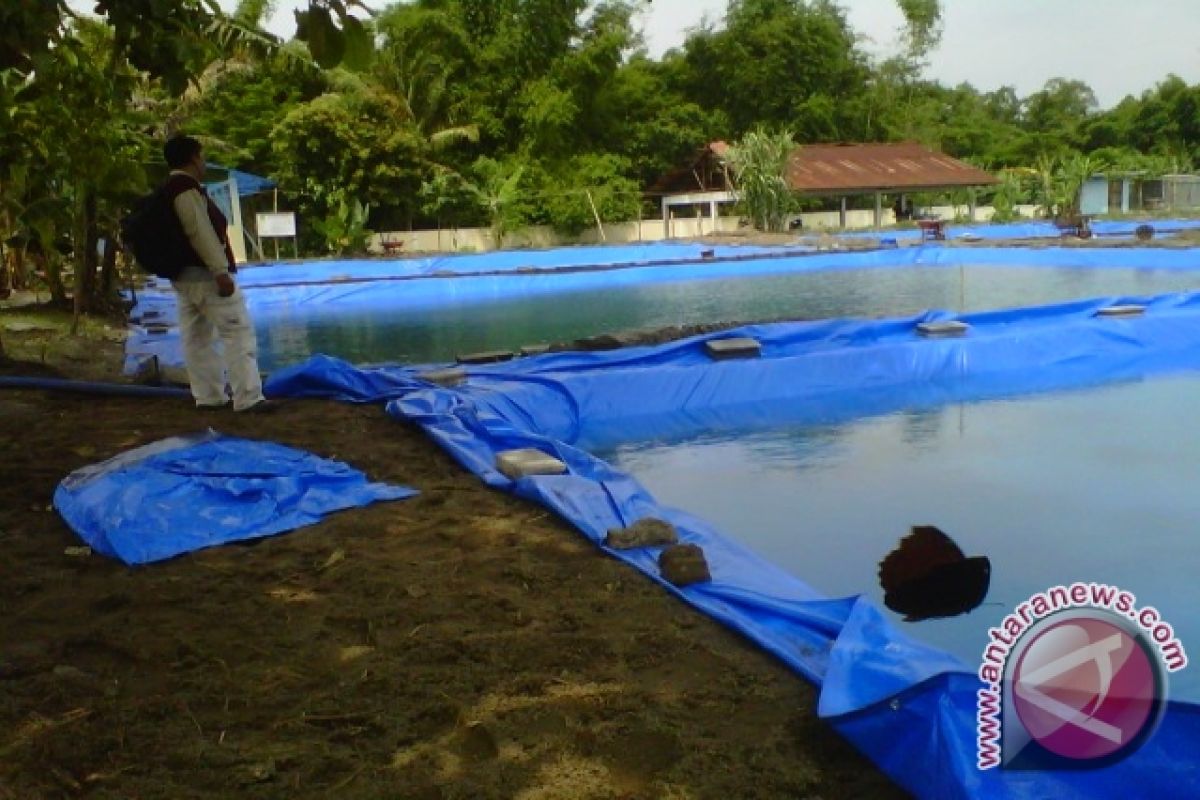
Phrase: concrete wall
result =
(1093, 197)
(653, 230)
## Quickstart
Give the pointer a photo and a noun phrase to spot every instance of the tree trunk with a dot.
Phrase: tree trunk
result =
(85, 260)
(108, 270)
(52, 269)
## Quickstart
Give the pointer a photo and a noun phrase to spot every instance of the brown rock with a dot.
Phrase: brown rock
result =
(683, 565)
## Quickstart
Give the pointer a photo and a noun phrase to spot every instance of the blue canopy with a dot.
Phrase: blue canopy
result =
(247, 184)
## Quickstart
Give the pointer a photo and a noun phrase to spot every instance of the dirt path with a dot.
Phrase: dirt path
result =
(462, 644)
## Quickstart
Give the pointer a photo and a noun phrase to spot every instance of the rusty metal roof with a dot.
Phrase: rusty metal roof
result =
(855, 168)
(837, 169)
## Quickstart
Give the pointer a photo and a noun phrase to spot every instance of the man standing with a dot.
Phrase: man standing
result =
(209, 301)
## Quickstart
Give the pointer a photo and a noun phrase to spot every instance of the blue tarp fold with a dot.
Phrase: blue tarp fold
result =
(187, 493)
(910, 707)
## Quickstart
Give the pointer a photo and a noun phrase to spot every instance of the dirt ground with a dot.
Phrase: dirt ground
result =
(461, 644)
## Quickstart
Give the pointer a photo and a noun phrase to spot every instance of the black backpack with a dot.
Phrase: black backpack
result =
(152, 232)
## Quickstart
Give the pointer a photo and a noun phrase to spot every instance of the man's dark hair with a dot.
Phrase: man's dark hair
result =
(179, 150)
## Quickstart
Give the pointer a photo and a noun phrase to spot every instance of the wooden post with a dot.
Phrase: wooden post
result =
(879, 211)
(842, 215)
(275, 208)
(666, 211)
(971, 196)
(596, 214)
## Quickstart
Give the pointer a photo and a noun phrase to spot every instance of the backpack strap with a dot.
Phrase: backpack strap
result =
(177, 184)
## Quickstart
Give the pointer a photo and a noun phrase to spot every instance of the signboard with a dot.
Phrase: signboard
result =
(276, 224)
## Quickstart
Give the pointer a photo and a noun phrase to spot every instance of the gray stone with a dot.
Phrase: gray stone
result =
(683, 565)
(648, 532)
(444, 377)
(603, 341)
(534, 349)
(737, 347)
(943, 329)
(486, 357)
(514, 464)
(1130, 310)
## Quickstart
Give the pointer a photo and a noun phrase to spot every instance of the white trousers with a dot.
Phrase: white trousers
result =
(203, 315)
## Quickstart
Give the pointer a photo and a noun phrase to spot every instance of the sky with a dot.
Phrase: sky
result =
(1118, 47)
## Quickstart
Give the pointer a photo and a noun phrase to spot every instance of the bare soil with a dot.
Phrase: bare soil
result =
(461, 644)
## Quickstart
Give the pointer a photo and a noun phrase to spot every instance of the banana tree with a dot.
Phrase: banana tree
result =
(760, 161)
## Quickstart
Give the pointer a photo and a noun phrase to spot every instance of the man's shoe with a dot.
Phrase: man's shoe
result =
(263, 406)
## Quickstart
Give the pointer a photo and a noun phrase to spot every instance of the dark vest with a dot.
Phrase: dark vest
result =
(179, 183)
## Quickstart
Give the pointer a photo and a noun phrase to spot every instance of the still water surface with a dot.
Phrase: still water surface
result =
(424, 335)
(1093, 485)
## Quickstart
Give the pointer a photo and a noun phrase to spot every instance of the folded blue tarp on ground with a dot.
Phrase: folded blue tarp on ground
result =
(189, 492)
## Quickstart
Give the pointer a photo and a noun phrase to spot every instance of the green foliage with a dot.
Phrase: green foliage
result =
(28, 29)
(923, 19)
(779, 63)
(498, 192)
(1060, 181)
(759, 162)
(342, 41)
(344, 229)
(348, 144)
(1011, 191)
(506, 112)
(448, 198)
(588, 186)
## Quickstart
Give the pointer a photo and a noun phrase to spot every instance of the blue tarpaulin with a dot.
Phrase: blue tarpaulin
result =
(910, 707)
(187, 493)
(1038, 229)
(324, 288)
(247, 183)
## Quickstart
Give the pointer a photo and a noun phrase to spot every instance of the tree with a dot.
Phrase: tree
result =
(1058, 112)
(760, 161)
(923, 26)
(779, 63)
(346, 145)
(639, 115)
(497, 191)
(588, 187)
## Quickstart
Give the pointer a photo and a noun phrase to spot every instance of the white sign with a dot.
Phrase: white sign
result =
(277, 224)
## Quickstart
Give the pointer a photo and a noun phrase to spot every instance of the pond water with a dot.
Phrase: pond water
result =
(426, 334)
(1091, 485)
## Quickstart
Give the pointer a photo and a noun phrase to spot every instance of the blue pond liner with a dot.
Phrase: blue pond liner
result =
(1034, 229)
(910, 707)
(190, 492)
(310, 298)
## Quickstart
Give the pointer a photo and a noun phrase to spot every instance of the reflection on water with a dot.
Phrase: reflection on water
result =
(1095, 485)
(424, 335)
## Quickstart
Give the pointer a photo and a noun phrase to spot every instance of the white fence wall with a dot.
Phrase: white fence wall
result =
(653, 230)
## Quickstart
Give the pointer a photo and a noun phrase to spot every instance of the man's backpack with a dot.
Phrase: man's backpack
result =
(152, 232)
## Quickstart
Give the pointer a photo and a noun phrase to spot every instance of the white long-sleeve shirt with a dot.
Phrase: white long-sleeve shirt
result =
(192, 209)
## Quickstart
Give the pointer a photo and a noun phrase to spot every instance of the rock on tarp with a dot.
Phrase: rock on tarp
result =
(189, 492)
